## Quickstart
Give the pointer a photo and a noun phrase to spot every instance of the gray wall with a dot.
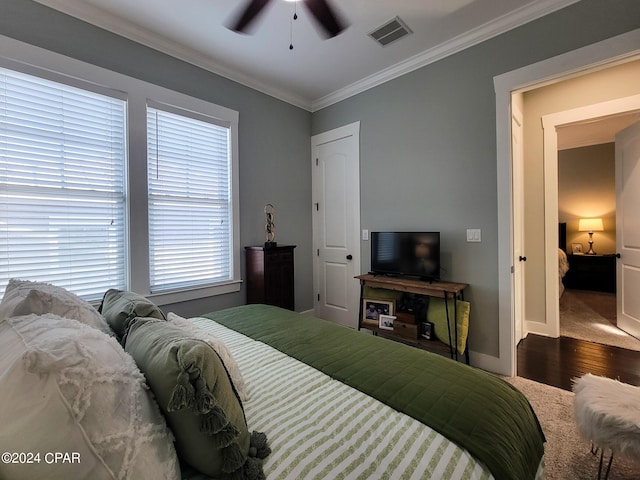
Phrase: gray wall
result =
(274, 140)
(428, 139)
(428, 145)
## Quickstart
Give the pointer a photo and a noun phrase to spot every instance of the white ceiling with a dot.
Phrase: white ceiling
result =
(318, 71)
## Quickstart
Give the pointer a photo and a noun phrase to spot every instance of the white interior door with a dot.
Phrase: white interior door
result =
(336, 223)
(628, 229)
(518, 224)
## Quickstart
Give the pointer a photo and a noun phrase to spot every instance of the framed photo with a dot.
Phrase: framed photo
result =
(385, 322)
(426, 330)
(372, 309)
(576, 248)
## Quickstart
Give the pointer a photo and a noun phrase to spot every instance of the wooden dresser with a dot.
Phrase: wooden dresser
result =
(270, 275)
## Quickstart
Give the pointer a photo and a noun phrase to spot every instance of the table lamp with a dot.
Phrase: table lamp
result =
(590, 225)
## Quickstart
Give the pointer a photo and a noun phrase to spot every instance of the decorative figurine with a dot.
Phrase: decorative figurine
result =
(269, 211)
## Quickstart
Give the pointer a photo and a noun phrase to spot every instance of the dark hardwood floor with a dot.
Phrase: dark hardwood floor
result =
(555, 361)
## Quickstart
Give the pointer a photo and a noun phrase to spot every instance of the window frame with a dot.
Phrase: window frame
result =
(37, 61)
(222, 131)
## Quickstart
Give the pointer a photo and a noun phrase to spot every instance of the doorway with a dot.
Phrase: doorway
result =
(584, 125)
(621, 49)
(586, 189)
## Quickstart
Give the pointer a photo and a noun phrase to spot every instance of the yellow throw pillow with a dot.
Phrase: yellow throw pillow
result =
(437, 314)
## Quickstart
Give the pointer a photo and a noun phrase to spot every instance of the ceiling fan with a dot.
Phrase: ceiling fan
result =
(326, 16)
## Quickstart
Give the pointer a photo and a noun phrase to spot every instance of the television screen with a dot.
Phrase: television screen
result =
(415, 254)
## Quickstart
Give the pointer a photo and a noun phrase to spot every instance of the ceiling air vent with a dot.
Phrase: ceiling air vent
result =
(391, 31)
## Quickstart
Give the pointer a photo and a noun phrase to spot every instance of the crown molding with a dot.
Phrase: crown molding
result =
(111, 23)
(117, 25)
(473, 37)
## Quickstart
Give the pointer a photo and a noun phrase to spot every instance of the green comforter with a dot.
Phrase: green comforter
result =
(480, 412)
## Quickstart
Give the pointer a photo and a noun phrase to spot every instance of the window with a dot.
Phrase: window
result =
(92, 199)
(62, 185)
(190, 236)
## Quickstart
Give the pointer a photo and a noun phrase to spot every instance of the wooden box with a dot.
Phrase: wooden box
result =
(406, 330)
(405, 317)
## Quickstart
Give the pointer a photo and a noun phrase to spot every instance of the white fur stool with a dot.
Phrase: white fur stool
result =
(608, 413)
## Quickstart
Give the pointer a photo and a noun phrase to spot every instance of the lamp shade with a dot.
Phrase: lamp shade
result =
(590, 225)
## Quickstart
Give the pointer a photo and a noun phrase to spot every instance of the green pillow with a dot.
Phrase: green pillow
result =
(119, 307)
(437, 314)
(197, 398)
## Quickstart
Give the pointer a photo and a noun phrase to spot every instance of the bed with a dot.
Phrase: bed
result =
(563, 260)
(398, 384)
(326, 401)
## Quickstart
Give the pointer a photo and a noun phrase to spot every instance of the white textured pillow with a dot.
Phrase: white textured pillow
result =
(68, 388)
(23, 297)
(219, 347)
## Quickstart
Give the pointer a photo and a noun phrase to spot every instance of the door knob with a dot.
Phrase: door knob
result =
(349, 257)
(522, 259)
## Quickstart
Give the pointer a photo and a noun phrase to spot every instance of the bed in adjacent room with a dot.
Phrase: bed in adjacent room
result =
(563, 260)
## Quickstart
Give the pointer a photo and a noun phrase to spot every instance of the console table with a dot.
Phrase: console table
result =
(446, 290)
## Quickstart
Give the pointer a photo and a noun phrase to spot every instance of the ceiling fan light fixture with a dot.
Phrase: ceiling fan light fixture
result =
(330, 21)
(391, 31)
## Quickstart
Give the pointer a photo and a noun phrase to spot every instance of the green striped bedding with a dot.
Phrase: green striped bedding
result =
(320, 428)
(478, 411)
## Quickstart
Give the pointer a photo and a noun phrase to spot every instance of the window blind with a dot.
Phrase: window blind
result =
(62, 185)
(190, 203)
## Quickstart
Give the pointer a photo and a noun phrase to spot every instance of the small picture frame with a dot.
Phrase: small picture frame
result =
(386, 322)
(576, 249)
(372, 309)
(426, 330)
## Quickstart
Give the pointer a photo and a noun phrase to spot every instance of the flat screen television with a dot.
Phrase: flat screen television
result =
(413, 254)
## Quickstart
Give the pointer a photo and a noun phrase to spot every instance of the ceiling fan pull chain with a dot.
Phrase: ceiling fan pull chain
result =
(295, 17)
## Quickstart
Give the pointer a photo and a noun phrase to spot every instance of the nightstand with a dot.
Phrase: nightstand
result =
(591, 272)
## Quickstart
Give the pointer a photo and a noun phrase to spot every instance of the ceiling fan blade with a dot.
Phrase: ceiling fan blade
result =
(248, 15)
(326, 16)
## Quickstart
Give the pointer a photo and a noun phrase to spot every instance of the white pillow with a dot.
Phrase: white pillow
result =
(23, 297)
(219, 347)
(69, 388)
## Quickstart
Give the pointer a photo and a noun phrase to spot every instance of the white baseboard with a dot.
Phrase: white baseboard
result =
(537, 328)
(488, 363)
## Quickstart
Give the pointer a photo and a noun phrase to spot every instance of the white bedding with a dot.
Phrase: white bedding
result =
(326, 429)
(563, 268)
